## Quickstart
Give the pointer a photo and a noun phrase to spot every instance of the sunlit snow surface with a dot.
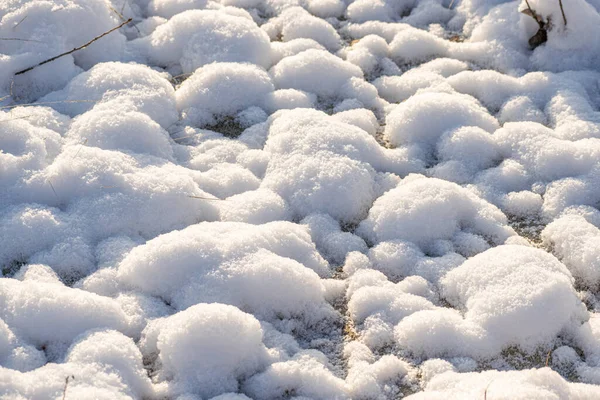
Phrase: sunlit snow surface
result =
(299, 199)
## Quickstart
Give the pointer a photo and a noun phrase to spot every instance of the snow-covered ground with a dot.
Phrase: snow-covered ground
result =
(300, 199)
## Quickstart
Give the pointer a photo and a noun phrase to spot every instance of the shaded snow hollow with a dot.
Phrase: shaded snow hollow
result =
(299, 199)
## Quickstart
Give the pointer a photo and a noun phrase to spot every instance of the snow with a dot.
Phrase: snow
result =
(208, 347)
(521, 296)
(314, 71)
(119, 86)
(195, 38)
(527, 384)
(427, 210)
(222, 89)
(303, 199)
(575, 241)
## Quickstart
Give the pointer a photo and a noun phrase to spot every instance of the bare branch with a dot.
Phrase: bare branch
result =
(563, 12)
(75, 49)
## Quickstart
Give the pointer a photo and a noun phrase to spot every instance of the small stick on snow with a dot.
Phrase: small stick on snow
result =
(13, 119)
(79, 149)
(205, 198)
(120, 15)
(66, 385)
(75, 49)
(563, 12)
(185, 137)
(52, 186)
(486, 389)
(44, 103)
(19, 23)
(11, 92)
(548, 358)
(21, 40)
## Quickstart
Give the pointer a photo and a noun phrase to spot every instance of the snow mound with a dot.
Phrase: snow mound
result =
(64, 312)
(208, 348)
(170, 8)
(424, 118)
(309, 131)
(323, 182)
(118, 86)
(427, 211)
(129, 132)
(222, 89)
(304, 375)
(314, 71)
(117, 353)
(576, 242)
(536, 384)
(124, 192)
(195, 38)
(211, 254)
(520, 295)
(297, 23)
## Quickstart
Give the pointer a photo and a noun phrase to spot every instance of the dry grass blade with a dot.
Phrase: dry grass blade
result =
(75, 49)
(485, 392)
(176, 77)
(19, 23)
(46, 103)
(52, 186)
(11, 92)
(205, 198)
(21, 40)
(186, 137)
(79, 149)
(13, 119)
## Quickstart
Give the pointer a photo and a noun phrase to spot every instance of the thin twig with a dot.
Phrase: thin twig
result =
(450, 5)
(205, 198)
(10, 94)
(486, 389)
(79, 149)
(186, 137)
(548, 358)
(20, 40)
(75, 49)
(535, 16)
(19, 23)
(52, 186)
(180, 75)
(120, 15)
(12, 119)
(46, 103)
(66, 385)
(563, 12)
